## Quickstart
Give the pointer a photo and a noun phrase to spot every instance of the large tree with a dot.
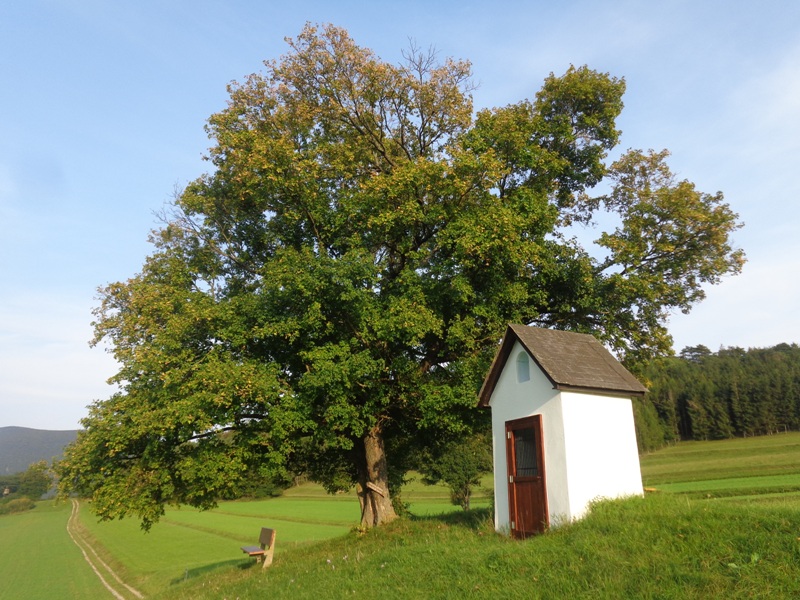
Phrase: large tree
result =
(330, 294)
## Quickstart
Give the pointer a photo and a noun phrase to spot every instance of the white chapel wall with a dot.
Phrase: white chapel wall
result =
(602, 455)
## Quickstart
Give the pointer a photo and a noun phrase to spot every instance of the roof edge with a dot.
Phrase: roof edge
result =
(496, 368)
(599, 391)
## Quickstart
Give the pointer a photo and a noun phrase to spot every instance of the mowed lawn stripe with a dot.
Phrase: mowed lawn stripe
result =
(153, 560)
(767, 482)
(244, 530)
(187, 541)
(332, 510)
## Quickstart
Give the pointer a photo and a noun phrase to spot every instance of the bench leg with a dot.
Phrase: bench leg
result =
(267, 559)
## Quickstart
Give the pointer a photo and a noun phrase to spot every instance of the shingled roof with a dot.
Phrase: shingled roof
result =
(571, 361)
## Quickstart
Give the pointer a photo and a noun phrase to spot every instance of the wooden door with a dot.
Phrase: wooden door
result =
(526, 481)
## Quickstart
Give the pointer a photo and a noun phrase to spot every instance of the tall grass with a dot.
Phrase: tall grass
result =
(661, 546)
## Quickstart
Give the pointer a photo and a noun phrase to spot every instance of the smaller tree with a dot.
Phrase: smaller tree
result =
(35, 482)
(695, 354)
(459, 465)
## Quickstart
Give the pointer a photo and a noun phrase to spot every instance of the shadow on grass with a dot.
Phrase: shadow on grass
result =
(205, 569)
(476, 518)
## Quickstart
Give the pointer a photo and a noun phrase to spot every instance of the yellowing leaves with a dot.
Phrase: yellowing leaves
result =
(347, 268)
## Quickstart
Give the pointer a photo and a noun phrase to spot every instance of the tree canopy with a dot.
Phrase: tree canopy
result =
(330, 294)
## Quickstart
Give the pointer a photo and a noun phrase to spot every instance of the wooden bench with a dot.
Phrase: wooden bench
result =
(264, 551)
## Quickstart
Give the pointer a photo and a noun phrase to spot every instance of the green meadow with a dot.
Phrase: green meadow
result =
(39, 560)
(723, 520)
(759, 469)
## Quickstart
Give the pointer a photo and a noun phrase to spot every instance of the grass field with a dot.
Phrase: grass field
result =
(757, 467)
(184, 545)
(738, 457)
(39, 560)
(725, 523)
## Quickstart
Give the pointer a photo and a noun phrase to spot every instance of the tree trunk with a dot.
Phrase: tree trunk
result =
(373, 493)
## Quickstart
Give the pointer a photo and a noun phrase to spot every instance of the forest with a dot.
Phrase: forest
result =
(705, 395)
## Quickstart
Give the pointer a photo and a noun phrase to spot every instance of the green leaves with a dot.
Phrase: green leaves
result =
(460, 465)
(669, 228)
(672, 239)
(732, 392)
(335, 288)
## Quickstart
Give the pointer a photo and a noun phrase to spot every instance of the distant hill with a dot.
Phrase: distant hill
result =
(21, 446)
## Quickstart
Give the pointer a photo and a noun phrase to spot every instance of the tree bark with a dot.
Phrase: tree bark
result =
(373, 493)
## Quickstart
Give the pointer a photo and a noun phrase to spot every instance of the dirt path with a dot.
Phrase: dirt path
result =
(118, 588)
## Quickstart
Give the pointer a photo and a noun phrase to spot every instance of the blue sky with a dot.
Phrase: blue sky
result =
(102, 107)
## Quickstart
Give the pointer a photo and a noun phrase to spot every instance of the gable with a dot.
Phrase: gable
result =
(571, 361)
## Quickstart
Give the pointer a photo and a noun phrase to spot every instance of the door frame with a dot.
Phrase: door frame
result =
(532, 422)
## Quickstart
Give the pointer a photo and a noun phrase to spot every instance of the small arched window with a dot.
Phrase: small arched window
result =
(523, 367)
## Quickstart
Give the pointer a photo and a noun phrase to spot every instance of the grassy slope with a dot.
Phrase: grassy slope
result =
(39, 560)
(658, 547)
(662, 546)
(187, 544)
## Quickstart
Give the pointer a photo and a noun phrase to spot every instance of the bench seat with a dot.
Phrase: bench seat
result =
(266, 548)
